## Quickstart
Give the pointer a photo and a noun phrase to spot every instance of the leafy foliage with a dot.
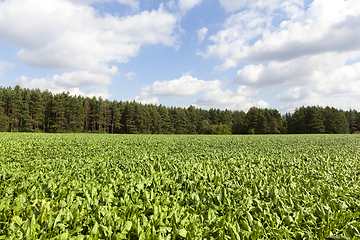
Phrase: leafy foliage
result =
(67, 186)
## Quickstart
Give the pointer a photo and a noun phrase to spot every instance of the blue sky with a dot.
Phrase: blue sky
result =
(231, 54)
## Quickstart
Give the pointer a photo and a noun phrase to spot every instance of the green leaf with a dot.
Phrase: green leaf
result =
(17, 220)
(182, 232)
(95, 229)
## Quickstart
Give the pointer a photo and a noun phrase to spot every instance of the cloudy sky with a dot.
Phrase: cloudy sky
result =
(231, 54)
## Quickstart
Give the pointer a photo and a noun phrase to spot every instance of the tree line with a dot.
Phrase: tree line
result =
(32, 110)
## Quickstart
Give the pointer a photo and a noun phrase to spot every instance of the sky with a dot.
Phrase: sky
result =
(227, 54)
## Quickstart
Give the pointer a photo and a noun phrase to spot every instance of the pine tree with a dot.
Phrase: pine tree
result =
(156, 122)
(167, 124)
(351, 117)
(58, 109)
(239, 122)
(26, 118)
(106, 116)
(129, 117)
(76, 114)
(37, 108)
(87, 111)
(192, 118)
(116, 111)
(315, 120)
(256, 121)
(94, 113)
(4, 119)
(298, 123)
(15, 104)
(47, 106)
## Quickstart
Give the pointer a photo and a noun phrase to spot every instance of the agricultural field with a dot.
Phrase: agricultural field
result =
(84, 186)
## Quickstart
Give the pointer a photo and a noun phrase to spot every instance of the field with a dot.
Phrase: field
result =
(84, 186)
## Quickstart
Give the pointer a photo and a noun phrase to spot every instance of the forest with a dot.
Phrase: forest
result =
(33, 110)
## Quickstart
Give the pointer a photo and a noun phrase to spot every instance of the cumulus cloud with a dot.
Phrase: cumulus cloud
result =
(249, 36)
(230, 100)
(132, 3)
(184, 86)
(238, 30)
(184, 5)
(202, 34)
(61, 35)
(233, 5)
(315, 99)
(70, 35)
(4, 65)
(130, 75)
(82, 82)
(314, 53)
(335, 86)
(329, 72)
(212, 93)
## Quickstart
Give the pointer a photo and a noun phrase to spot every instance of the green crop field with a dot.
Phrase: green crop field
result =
(84, 186)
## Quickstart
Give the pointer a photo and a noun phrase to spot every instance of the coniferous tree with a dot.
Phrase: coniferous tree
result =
(76, 115)
(106, 116)
(167, 124)
(351, 117)
(335, 121)
(26, 119)
(15, 107)
(94, 114)
(37, 109)
(116, 111)
(274, 120)
(192, 118)
(298, 123)
(129, 117)
(155, 122)
(139, 118)
(47, 106)
(256, 121)
(315, 120)
(59, 110)
(4, 119)
(226, 118)
(30, 110)
(87, 111)
(238, 125)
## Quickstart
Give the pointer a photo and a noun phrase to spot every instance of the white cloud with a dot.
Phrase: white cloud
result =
(249, 36)
(132, 3)
(323, 69)
(4, 65)
(183, 6)
(72, 36)
(314, 53)
(238, 100)
(184, 86)
(212, 95)
(238, 30)
(313, 99)
(130, 75)
(336, 86)
(145, 100)
(81, 82)
(186, 5)
(202, 34)
(233, 5)
(63, 35)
